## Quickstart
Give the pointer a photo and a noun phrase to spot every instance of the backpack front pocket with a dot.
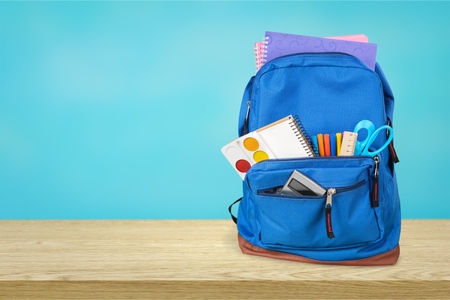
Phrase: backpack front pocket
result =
(342, 217)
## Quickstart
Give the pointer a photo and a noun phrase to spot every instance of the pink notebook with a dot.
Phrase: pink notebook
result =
(352, 37)
(259, 54)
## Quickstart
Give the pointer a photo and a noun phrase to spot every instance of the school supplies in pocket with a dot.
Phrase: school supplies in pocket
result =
(357, 220)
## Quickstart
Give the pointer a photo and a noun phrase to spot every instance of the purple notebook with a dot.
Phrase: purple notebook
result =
(279, 44)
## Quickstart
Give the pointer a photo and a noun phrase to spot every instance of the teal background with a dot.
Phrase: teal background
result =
(118, 110)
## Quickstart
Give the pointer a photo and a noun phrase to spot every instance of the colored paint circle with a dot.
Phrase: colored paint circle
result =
(242, 165)
(251, 144)
(260, 156)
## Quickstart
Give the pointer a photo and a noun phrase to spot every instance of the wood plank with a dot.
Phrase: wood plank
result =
(183, 259)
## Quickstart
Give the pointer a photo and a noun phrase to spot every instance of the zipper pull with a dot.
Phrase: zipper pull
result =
(246, 117)
(393, 152)
(394, 155)
(328, 205)
(375, 202)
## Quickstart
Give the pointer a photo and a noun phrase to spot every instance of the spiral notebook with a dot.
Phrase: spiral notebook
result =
(284, 138)
(259, 54)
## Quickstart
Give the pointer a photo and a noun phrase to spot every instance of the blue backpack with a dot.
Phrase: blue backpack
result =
(359, 222)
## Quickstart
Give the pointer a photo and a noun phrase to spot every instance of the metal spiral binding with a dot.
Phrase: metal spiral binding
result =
(305, 138)
(266, 41)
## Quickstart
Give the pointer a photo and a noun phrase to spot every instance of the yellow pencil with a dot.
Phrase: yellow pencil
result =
(338, 142)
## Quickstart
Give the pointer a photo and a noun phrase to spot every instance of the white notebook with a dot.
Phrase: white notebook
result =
(286, 139)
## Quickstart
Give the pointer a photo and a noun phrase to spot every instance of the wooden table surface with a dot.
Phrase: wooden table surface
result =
(201, 260)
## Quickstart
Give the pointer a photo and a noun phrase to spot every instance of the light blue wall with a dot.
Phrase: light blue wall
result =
(118, 110)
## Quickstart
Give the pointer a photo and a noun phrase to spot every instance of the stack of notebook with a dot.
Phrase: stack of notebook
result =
(277, 44)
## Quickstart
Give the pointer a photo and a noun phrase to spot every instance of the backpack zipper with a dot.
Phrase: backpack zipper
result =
(249, 102)
(328, 206)
(391, 144)
(315, 54)
(374, 198)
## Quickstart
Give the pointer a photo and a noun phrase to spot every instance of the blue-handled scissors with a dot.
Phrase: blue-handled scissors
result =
(362, 147)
